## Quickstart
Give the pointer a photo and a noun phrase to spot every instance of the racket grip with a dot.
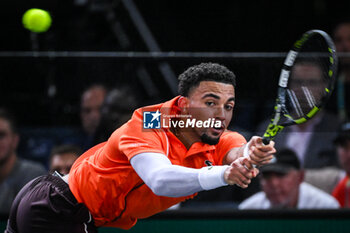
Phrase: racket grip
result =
(266, 140)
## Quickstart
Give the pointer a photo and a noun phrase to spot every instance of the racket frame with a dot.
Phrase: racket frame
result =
(280, 111)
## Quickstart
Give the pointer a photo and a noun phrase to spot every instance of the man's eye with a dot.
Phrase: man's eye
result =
(210, 104)
(228, 107)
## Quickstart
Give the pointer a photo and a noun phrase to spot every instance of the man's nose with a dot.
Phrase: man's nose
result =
(274, 181)
(95, 113)
(220, 113)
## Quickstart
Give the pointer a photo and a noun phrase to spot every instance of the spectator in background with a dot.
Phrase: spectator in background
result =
(14, 172)
(342, 190)
(90, 112)
(325, 178)
(341, 35)
(62, 158)
(37, 142)
(283, 187)
(313, 140)
(117, 109)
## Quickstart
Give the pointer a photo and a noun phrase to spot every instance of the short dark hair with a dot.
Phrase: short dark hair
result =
(64, 149)
(204, 72)
(91, 87)
(10, 118)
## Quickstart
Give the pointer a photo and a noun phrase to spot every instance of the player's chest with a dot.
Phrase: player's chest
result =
(193, 158)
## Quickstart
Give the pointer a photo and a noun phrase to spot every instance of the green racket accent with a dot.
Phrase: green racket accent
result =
(272, 131)
(331, 60)
(327, 90)
(301, 120)
(309, 115)
(313, 112)
(330, 73)
(300, 42)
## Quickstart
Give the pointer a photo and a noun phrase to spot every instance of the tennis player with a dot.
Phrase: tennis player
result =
(148, 164)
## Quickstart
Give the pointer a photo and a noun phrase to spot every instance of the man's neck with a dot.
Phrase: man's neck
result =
(295, 199)
(7, 166)
(184, 136)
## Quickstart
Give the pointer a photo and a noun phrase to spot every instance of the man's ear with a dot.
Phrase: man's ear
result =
(183, 104)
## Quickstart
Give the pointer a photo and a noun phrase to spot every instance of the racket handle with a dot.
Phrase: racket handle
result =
(266, 140)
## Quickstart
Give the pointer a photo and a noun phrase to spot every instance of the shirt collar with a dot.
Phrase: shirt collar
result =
(170, 107)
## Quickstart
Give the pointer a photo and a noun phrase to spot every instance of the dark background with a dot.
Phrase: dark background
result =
(197, 26)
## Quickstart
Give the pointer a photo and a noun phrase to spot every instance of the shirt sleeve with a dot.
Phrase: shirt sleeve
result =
(228, 141)
(165, 179)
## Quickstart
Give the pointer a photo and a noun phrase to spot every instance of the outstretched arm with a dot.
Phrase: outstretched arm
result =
(166, 179)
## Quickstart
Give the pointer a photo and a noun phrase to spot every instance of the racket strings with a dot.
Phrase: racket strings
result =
(295, 104)
(307, 85)
(309, 97)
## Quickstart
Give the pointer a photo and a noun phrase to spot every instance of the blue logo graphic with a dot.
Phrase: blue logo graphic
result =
(151, 120)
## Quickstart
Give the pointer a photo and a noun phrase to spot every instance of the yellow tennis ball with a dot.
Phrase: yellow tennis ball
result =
(36, 20)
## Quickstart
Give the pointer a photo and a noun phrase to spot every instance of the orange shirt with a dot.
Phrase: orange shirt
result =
(103, 179)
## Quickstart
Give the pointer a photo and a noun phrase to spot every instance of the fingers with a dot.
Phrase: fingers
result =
(244, 171)
(265, 148)
(256, 172)
(243, 161)
(247, 164)
(240, 173)
(260, 157)
(258, 141)
(236, 176)
(259, 153)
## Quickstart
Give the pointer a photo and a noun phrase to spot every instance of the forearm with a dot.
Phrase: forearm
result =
(254, 150)
(233, 154)
(165, 179)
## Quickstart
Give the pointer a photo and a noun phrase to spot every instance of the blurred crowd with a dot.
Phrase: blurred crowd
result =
(311, 169)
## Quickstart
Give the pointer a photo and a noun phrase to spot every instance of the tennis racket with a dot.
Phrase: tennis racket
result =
(305, 83)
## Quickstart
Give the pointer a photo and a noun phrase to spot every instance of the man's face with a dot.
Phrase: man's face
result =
(91, 104)
(8, 140)
(62, 162)
(211, 100)
(282, 190)
(117, 108)
(344, 156)
(307, 82)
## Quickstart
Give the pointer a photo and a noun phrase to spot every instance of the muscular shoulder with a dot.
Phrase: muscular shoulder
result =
(232, 137)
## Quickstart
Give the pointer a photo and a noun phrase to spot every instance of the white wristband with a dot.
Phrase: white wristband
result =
(212, 177)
